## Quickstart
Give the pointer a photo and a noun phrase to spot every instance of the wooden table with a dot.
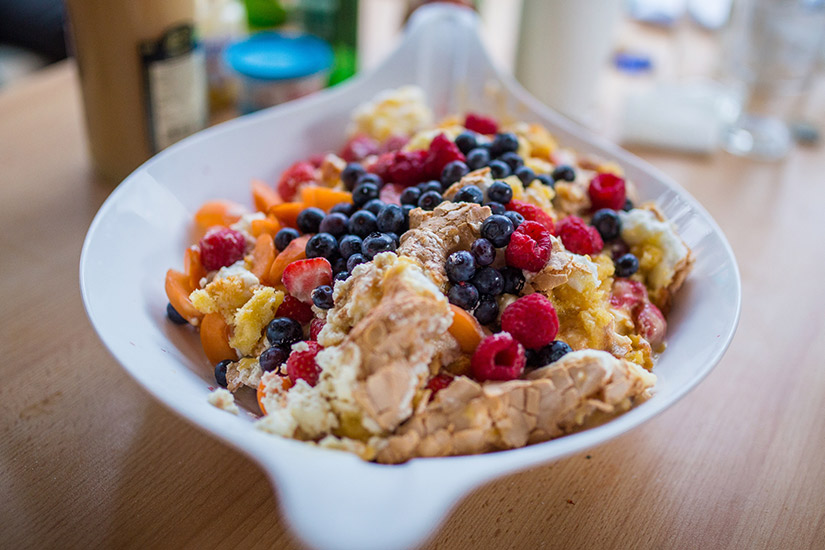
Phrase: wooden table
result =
(88, 459)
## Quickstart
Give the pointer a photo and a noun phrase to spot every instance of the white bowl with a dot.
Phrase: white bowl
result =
(333, 499)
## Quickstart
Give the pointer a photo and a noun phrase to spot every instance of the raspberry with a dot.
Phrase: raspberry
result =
(607, 191)
(480, 124)
(394, 143)
(295, 309)
(302, 365)
(651, 325)
(317, 159)
(358, 148)
(402, 167)
(532, 213)
(578, 237)
(315, 327)
(532, 320)
(438, 383)
(220, 247)
(391, 193)
(498, 357)
(293, 177)
(530, 247)
(442, 152)
(628, 294)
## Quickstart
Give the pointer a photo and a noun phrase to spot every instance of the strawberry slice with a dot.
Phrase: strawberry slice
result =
(293, 177)
(532, 213)
(295, 309)
(391, 193)
(303, 276)
(358, 148)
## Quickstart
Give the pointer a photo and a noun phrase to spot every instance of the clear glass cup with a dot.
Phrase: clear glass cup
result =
(770, 55)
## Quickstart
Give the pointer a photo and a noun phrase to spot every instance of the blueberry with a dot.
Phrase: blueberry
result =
(395, 238)
(174, 316)
(284, 237)
(364, 193)
(362, 223)
(335, 224)
(391, 219)
(322, 297)
(453, 172)
(220, 372)
(617, 249)
(513, 279)
(377, 243)
(546, 180)
(551, 353)
(505, 142)
(431, 185)
(627, 265)
(430, 200)
(272, 358)
(349, 245)
(499, 169)
(345, 208)
(461, 266)
(410, 195)
(487, 310)
(466, 141)
(370, 178)
(628, 205)
(531, 358)
(514, 217)
(497, 229)
(563, 172)
(322, 245)
(355, 260)
(351, 173)
(526, 175)
(339, 264)
(374, 206)
(496, 207)
(407, 208)
(512, 160)
(483, 251)
(478, 158)
(607, 223)
(469, 193)
(464, 295)
(341, 276)
(283, 331)
(488, 281)
(309, 219)
(500, 191)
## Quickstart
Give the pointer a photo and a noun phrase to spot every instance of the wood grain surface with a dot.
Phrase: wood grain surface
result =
(88, 459)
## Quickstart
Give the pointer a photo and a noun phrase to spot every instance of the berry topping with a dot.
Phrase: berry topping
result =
(607, 191)
(513, 279)
(481, 124)
(370, 178)
(283, 331)
(551, 353)
(514, 217)
(486, 311)
(438, 383)
(374, 206)
(626, 265)
(483, 251)
(339, 264)
(315, 328)
(220, 372)
(526, 175)
(220, 247)
(341, 276)
(174, 316)
(358, 148)
(532, 213)
(607, 223)
(394, 143)
(627, 294)
(364, 193)
(499, 169)
(452, 172)
(461, 266)
(430, 200)
(532, 320)
(432, 185)
(499, 191)
(651, 325)
(350, 175)
(513, 160)
(628, 205)
(530, 247)
(284, 237)
(391, 219)
(391, 193)
(377, 243)
(295, 309)
(362, 223)
(404, 167)
(506, 142)
(466, 142)
(498, 357)
(578, 237)
(301, 365)
(322, 297)
(272, 358)
(302, 276)
(345, 208)
(488, 281)
(355, 260)
(496, 207)
(294, 177)
(497, 229)
(464, 295)
(322, 245)
(349, 245)
(478, 158)
(442, 152)
(469, 193)
(544, 179)
(410, 195)
(334, 223)
(564, 172)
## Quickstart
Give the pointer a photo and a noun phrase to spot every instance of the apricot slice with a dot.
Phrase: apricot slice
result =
(215, 339)
(217, 212)
(323, 197)
(295, 250)
(268, 225)
(286, 383)
(178, 290)
(262, 256)
(287, 213)
(465, 329)
(264, 197)
(193, 267)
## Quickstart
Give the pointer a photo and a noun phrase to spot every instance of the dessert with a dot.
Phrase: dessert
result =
(433, 289)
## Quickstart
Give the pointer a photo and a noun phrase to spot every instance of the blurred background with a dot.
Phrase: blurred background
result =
(695, 76)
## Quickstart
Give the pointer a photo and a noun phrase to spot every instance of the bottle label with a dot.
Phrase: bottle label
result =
(174, 76)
